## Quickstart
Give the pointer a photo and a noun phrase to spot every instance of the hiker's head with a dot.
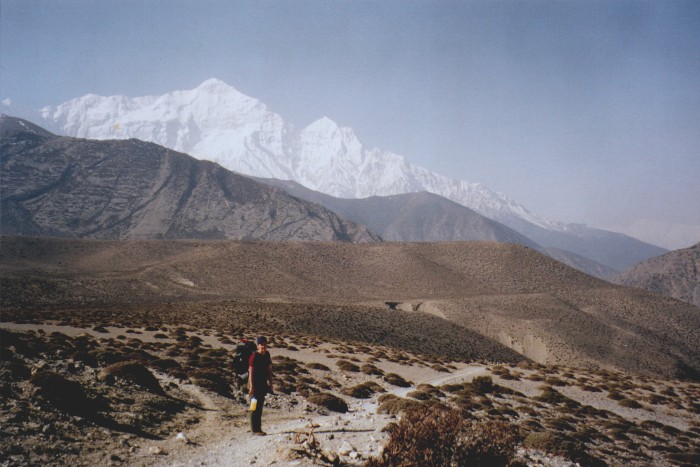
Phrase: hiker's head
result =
(262, 342)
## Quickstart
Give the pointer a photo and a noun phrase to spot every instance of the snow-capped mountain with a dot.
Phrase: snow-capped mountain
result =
(216, 122)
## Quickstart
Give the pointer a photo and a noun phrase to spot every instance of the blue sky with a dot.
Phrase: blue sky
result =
(583, 111)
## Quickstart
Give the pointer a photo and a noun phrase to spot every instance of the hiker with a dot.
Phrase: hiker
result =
(259, 383)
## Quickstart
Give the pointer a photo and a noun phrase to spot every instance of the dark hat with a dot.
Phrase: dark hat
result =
(262, 340)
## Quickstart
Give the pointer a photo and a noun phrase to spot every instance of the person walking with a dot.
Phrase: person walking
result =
(259, 383)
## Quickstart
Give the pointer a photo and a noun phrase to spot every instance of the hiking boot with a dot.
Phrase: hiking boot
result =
(259, 433)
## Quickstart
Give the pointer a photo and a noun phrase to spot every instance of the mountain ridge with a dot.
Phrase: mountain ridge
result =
(214, 121)
(129, 189)
(674, 274)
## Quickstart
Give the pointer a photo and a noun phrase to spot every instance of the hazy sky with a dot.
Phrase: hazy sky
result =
(583, 111)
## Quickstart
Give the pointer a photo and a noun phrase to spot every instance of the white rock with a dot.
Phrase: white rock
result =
(346, 448)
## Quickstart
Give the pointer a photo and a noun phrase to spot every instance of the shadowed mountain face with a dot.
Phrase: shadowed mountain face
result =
(130, 189)
(674, 274)
(614, 250)
(506, 293)
(426, 217)
(411, 217)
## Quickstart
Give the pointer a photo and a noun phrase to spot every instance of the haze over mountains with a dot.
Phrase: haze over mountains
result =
(216, 122)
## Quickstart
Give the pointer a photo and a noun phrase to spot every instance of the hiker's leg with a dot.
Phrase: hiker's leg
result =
(259, 410)
(256, 415)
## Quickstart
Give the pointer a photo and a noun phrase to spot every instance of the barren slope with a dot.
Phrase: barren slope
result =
(525, 300)
(674, 274)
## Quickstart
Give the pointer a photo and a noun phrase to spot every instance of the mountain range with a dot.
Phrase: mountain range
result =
(92, 188)
(72, 187)
(216, 122)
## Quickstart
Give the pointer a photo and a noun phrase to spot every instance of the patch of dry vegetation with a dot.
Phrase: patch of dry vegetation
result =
(557, 410)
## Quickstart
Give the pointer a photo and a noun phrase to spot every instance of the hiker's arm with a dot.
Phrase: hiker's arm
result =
(251, 388)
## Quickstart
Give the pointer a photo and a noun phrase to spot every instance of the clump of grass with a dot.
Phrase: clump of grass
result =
(629, 403)
(328, 401)
(397, 380)
(393, 405)
(363, 390)
(347, 366)
(430, 389)
(135, 372)
(318, 366)
(555, 443)
(370, 369)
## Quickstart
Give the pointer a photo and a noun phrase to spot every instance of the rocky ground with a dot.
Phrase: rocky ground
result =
(162, 393)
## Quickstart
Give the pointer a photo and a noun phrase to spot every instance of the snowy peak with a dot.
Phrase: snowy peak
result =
(217, 122)
(323, 126)
(216, 85)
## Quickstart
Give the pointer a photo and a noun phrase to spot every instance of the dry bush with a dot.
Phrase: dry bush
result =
(328, 401)
(430, 389)
(135, 372)
(63, 393)
(363, 390)
(397, 380)
(561, 445)
(370, 369)
(551, 396)
(288, 365)
(439, 435)
(629, 403)
(213, 381)
(452, 387)
(317, 366)
(393, 405)
(347, 366)
(419, 395)
(481, 385)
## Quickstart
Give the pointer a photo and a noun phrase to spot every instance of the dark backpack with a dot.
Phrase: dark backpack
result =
(241, 357)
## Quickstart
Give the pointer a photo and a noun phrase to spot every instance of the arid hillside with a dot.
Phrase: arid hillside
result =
(674, 274)
(503, 293)
(129, 189)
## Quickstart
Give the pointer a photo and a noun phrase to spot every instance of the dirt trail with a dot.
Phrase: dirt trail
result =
(355, 436)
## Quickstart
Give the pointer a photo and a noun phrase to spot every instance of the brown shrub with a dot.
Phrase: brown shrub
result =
(213, 381)
(363, 390)
(554, 443)
(370, 369)
(63, 393)
(629, 403)
(396, 380)
(419, 395)
(328, 401)
(439, 435)
(347, 366)
(318, 366)
(135, 372)
(393, 405)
